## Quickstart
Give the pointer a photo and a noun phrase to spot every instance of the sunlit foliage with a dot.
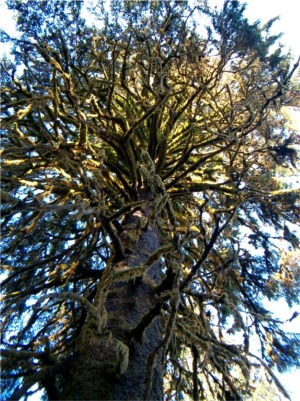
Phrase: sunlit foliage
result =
(172, 98)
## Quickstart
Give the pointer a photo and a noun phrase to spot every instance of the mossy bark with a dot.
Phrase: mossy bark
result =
(113, 363)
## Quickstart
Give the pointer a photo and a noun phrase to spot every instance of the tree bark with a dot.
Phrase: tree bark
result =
(112, 363)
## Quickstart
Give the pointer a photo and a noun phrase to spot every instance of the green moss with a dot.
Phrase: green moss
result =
(129, 273)
(122, 357)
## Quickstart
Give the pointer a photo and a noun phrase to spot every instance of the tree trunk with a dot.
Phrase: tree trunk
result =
(117, 360)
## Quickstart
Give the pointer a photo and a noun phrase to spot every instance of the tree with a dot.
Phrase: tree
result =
(142, 203)
(262, 386)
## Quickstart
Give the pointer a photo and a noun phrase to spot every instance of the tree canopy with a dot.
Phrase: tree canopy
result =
(187, 104)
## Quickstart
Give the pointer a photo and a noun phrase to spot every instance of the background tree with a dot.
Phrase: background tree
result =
(262, 386)
(142, 202)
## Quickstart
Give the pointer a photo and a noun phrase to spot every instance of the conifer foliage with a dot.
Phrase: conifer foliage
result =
(144, 214)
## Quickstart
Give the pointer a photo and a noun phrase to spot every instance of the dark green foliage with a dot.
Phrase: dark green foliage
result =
(144, 223)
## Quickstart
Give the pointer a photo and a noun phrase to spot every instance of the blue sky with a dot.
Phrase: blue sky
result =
(289, 25)
(256, 9)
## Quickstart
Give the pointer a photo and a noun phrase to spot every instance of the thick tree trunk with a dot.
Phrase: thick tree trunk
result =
(113, 363)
